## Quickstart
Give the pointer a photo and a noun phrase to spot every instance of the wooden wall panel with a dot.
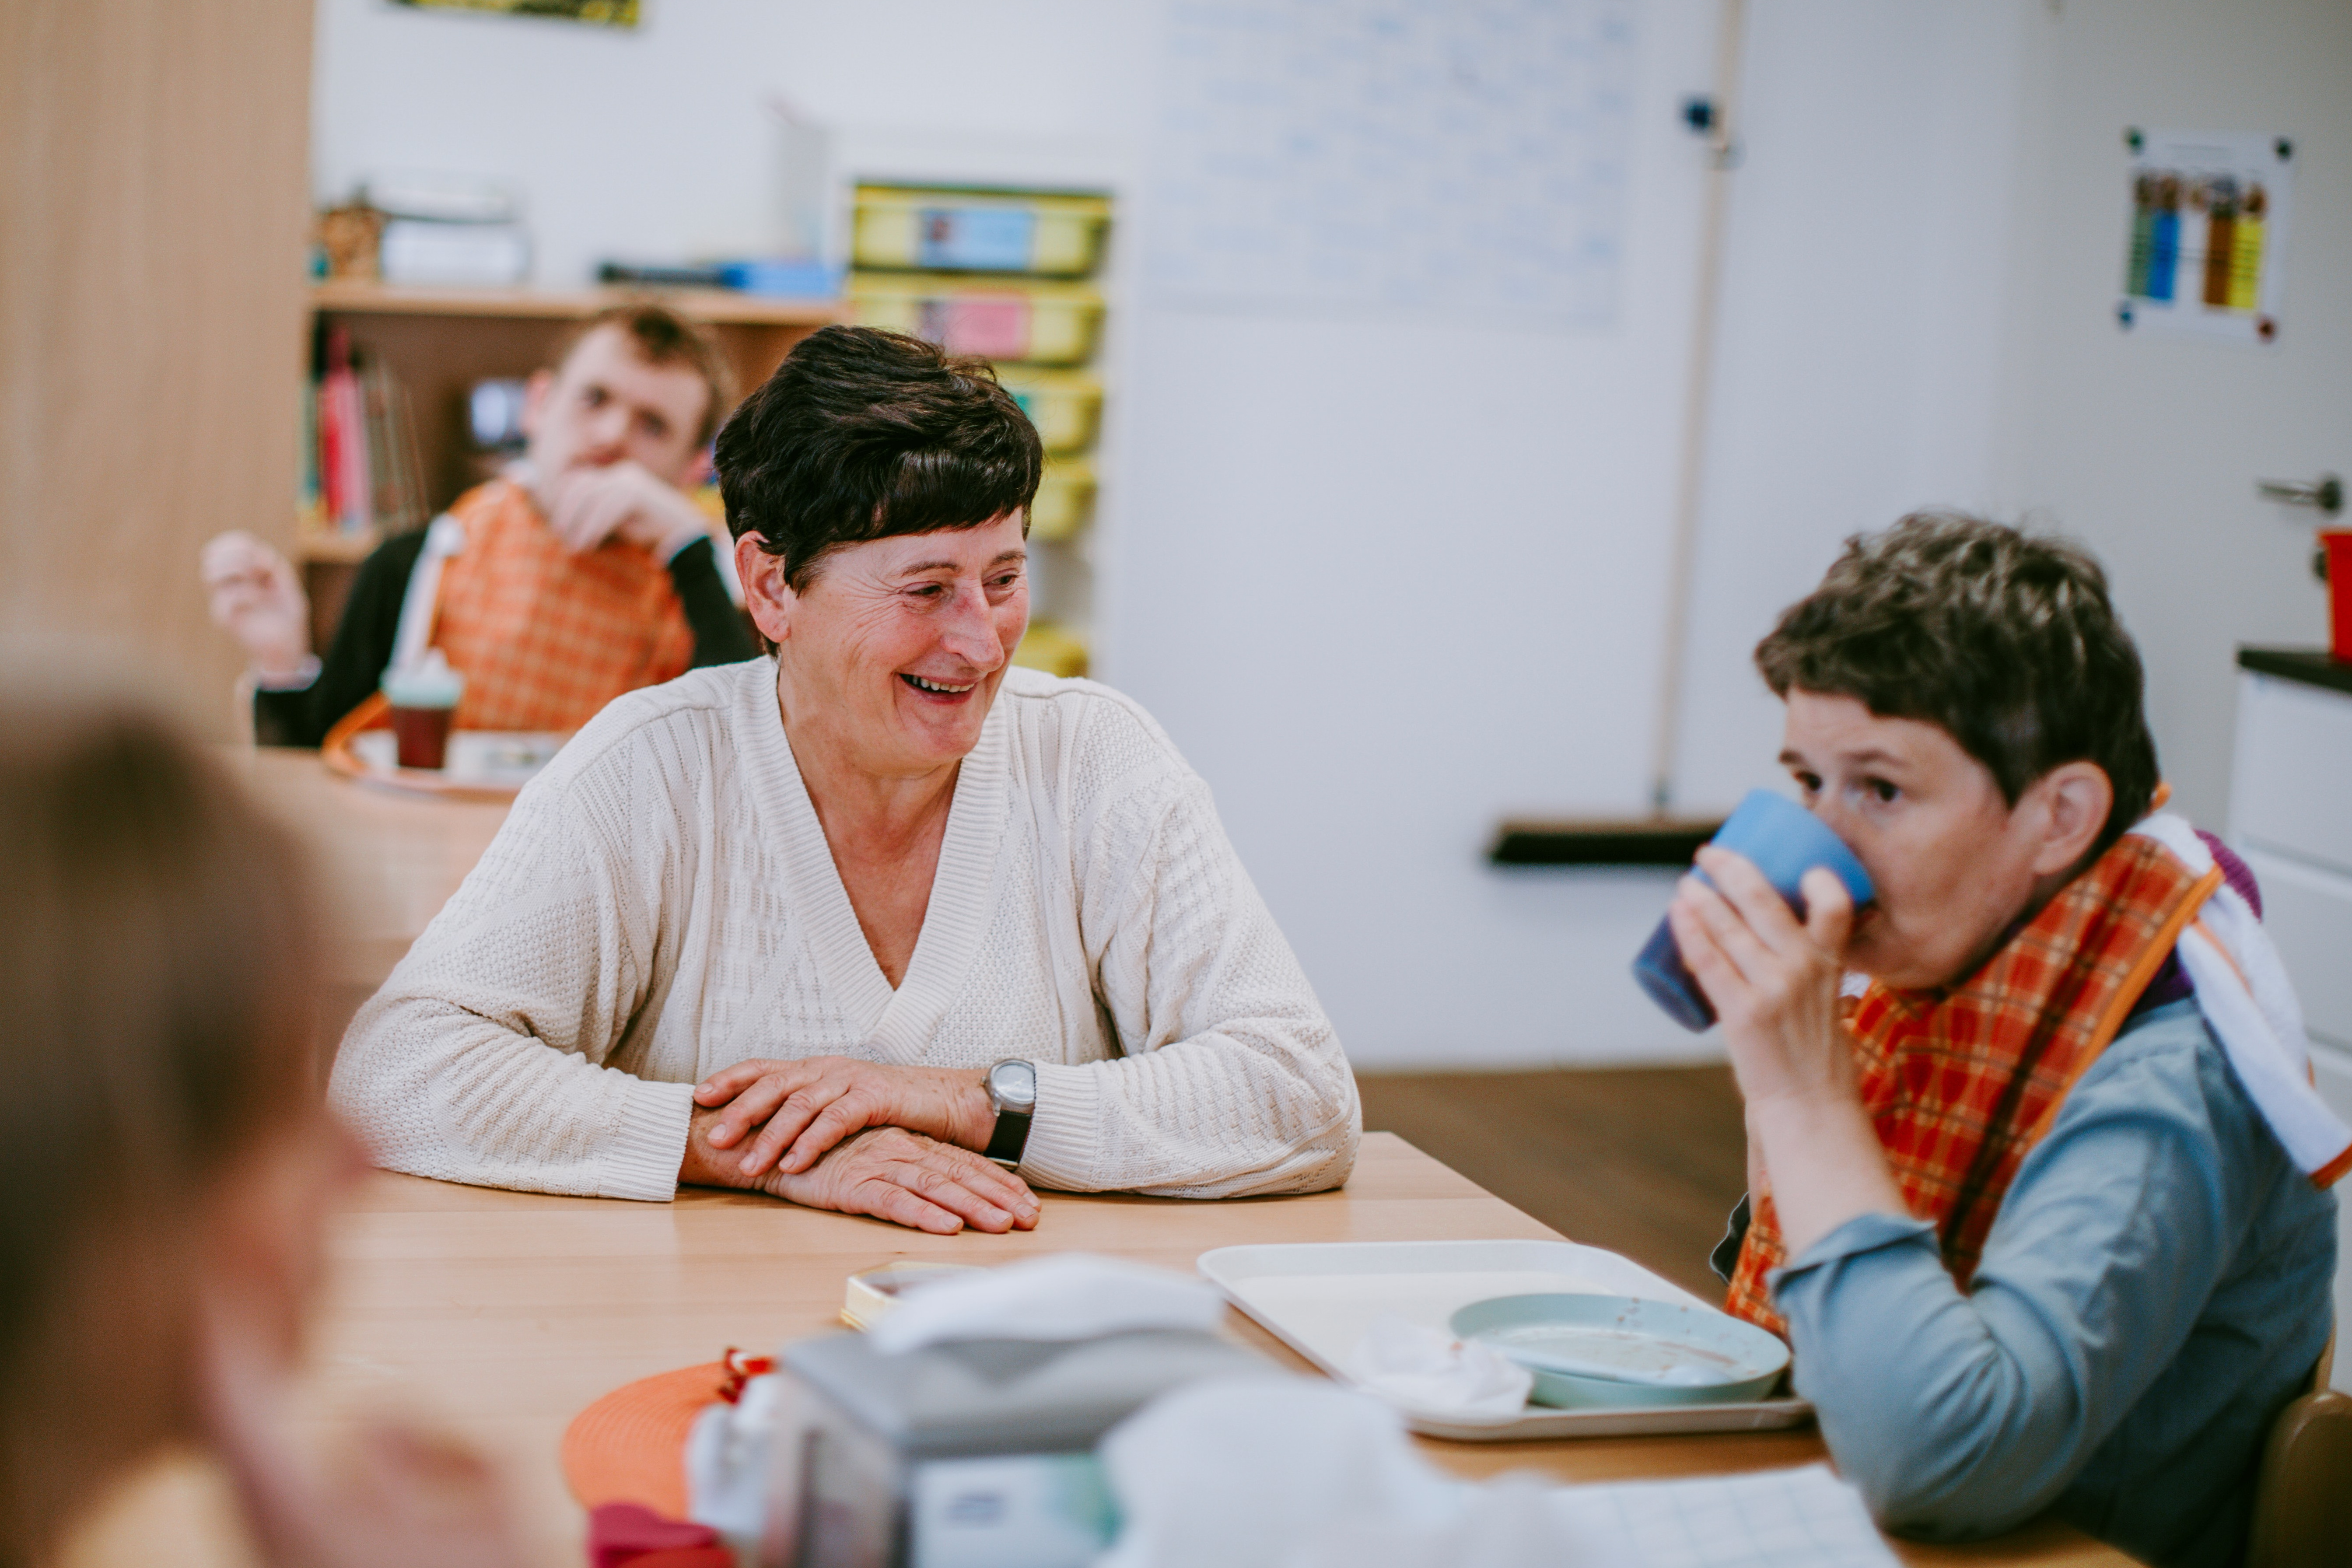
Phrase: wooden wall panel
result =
(153, 200)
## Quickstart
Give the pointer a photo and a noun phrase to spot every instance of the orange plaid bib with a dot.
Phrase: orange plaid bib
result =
(1961, 1083)
(543, 636)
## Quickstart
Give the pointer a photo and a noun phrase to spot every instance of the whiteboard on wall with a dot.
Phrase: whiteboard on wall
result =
(1468, 160)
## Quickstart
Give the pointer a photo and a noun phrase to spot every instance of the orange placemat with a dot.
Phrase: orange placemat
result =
(630, 1446)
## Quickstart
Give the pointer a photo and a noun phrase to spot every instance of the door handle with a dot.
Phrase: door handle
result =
(2326, 493)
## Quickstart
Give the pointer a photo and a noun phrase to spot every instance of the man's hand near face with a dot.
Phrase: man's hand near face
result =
(257, 596)
(624, 500)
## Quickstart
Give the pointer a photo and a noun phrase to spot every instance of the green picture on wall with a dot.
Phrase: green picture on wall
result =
(596, 12)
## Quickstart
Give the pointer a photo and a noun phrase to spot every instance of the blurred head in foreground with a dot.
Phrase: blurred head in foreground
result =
(166, 1165)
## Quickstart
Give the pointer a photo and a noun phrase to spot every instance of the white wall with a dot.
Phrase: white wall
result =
(1384, 582)
(1865, 339)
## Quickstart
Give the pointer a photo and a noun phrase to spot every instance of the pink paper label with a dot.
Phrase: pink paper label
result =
(994, 326)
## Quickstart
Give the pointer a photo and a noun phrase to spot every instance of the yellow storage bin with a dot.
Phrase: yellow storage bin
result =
(946, 230)
(1065, 494)
(1064, 405)
(1039, 323)
(1053, 648)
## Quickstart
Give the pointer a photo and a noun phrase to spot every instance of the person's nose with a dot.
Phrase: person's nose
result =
(608, 432)
(1832, 812)
(969, 629)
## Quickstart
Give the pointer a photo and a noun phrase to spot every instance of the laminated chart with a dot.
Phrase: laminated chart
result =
(2209, 214)
(1461, 157)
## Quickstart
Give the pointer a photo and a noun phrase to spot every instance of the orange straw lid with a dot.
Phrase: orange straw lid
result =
(630, 1446)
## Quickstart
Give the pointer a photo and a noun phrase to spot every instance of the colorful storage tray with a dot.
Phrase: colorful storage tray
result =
(978, 231)
(1065, 406)
(1041, 323)
(1064, 498)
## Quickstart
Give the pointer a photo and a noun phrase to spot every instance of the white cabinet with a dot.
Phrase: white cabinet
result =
(2291, 817)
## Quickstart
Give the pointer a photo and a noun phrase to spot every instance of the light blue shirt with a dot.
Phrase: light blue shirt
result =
(2154, 1291)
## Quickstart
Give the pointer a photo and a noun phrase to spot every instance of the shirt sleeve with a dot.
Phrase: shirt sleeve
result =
(1965, 1414)
(354, 662)
(1231, 1079)
(484, 1057)
(720, 637)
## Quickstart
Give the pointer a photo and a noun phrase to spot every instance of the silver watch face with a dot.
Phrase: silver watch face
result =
(1013, 1085)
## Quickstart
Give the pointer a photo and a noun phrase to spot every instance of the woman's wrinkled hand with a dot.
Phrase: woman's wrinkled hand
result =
(1773, 981)
(911, 1180)
(794, 1111)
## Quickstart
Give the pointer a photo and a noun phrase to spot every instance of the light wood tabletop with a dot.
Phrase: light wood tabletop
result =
(502, 1315)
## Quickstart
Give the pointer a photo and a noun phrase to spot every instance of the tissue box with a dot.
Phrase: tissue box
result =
(967, 1455)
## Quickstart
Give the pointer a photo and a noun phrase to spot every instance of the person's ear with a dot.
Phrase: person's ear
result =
(766, 594)
(534, 400)
(2075, 800)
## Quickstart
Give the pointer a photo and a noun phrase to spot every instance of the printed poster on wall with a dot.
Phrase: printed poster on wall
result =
(2208, 222)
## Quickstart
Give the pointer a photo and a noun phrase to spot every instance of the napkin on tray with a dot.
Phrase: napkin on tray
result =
(1429, 1370)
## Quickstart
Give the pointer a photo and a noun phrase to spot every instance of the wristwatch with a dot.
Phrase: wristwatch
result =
(1013, 1091)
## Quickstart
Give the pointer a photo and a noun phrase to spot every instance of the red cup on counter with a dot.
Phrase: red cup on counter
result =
(422, 697)
(2337, 542)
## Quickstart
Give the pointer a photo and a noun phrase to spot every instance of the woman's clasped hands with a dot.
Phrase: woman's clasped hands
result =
(857, 1137)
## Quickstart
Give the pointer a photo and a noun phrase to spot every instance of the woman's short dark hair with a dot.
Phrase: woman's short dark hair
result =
(159, 950)
(2006, 640)
(863, 434)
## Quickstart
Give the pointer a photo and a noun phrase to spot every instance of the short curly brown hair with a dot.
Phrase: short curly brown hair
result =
(2006, 640)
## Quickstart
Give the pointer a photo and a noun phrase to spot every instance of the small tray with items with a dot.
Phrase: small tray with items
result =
(480, 765)
(1322, 1299)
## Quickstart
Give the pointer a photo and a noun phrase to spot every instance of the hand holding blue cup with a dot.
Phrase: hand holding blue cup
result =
(1784, 841)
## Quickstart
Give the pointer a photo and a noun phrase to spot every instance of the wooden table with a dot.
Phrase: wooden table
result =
(504, 1314)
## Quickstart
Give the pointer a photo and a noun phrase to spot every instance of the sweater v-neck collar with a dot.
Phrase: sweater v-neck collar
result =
(896, 1024)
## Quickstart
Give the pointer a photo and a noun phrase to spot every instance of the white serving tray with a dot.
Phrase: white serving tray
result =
(1318, 1297)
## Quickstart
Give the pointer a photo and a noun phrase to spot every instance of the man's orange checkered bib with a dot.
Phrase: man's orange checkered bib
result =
(1963, 1083)
(543, 636)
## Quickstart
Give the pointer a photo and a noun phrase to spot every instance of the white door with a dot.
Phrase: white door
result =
(2149, 446)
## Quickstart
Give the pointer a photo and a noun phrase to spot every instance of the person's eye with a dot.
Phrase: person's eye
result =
(928, 590)
(654, 427)
(1810, 784)
(1880, 790)
(1007, 582)
(594, 396)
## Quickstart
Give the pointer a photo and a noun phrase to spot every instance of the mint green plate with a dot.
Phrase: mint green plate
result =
(1616, 1351)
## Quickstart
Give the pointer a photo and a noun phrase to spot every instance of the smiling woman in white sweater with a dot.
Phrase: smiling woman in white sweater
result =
(878, 924)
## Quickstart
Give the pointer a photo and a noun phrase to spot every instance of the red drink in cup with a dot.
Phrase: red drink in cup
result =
(424, 699)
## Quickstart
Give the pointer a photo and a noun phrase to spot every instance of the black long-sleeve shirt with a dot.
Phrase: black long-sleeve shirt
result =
(354, 662)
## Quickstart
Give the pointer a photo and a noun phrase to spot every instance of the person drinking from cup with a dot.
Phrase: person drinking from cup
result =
(2037, 1197)
(583, 571)
(876, 922)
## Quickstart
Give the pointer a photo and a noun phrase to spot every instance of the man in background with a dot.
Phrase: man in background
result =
(583, 571)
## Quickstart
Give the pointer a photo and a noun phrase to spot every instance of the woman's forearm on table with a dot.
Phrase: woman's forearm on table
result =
(1231, 1081)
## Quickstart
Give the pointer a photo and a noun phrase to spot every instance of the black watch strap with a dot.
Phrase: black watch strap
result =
(1010, 1137)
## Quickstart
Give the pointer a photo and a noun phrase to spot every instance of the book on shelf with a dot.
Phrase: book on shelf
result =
(363, 477)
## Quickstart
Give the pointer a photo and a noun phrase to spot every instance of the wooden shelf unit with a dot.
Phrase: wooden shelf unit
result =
(440, 341)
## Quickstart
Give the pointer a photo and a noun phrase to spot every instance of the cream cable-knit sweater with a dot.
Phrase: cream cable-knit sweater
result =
(662, 904)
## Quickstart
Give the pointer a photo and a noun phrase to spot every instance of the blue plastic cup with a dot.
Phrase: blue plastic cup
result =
(1785, 841)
